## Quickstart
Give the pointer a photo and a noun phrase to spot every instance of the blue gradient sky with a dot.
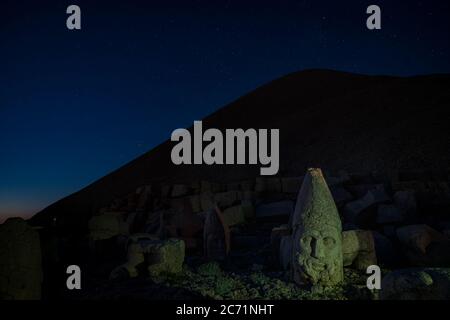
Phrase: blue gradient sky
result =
(75, 105)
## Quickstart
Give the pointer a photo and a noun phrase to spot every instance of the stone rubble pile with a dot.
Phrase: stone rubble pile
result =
(325, 223)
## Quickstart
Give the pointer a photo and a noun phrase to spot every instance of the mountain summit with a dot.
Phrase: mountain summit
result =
(327, 119)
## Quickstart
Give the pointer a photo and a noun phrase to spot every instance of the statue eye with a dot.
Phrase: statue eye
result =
(306, 240)
(328, 241)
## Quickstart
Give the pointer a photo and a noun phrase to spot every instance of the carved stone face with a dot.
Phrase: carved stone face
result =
(318, 256)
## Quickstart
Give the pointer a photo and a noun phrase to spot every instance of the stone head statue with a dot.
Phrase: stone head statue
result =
(316, 239)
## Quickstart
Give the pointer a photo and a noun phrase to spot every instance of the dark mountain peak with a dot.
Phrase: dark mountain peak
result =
(328, 119)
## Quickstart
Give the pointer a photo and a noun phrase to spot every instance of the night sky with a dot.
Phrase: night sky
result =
(75, 105)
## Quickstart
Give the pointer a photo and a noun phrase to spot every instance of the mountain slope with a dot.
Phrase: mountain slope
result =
(328, 119)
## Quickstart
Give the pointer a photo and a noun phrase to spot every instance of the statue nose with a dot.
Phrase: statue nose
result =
(317, 248)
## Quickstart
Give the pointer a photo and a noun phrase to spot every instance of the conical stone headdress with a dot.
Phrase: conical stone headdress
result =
(315, 205)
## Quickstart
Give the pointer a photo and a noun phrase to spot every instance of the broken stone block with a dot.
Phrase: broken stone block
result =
(216, 236)
(280, 208)
(413, 186)
(388, 213)
(179, 190)
(211, 187)
(185, 224)
(416, 284)
(207, 201)
(196, 204)
(419, 236)
(195, 187)
(248, 208)
(177, 204)
(358, 211)
(153, 222)
(267, 185)
(226, 199)
(386, 252)
(144, 198)
(117, 204)
(135, 257)
(340, 195)
(164, 256)
(333, 181)
(165, 190)
(446, 232)
(104, 227)
(20, 261)
(286, 252)
(132, 200)
(158, 256)
(275, 240)
(389, 231)
(139, 237)
(245, 242)
(233, 186)
(234, 215)
(424, 246)
(248, 195)
(248, 185)
(406, 202)
(291, 185)
(361, 190)
(358, 249)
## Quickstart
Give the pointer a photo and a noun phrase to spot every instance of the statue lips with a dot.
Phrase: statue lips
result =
(315, 264)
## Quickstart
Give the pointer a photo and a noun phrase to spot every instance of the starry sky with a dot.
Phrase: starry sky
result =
(75, 105)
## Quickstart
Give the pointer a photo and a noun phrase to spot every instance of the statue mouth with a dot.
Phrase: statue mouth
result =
(317, 265)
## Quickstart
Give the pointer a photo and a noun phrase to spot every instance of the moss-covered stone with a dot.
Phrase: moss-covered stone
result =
(165, 256)
(104, 227)
(317, 239)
